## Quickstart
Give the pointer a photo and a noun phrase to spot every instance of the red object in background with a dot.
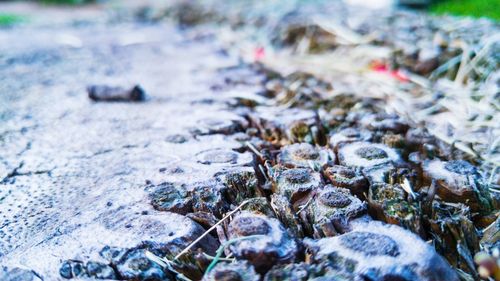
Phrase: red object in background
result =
(382, 68)
(259, 53)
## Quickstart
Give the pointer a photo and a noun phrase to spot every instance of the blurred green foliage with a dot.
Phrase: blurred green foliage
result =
(473, 8)
(10, 19)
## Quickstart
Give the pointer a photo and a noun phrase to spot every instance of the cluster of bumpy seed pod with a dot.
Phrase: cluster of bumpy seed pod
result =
(375, 160)
(298, 89)
(133, 263)
(296, 184)
(77, 269)
(417, 45)
(169, 197)
(390, 203)
(454, 234)
(349, 178)
(332, 212)
(286, 126)
(310, 271)
(240, 183)
(300, 271)
(458, 181)
(171, 233)
(293, 188)
(207, 200)
(372, 166)
(334, 191)
(381, 252)
(201, 197)
(304, 155)
(260, 240)
(384, 123)
(237, 271)
(348, 135)
(17, 274)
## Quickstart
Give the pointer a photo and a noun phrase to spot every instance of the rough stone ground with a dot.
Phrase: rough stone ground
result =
(73, 172)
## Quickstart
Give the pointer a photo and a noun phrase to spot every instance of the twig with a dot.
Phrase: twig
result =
(263, 173)
(254, 149)
(210, 230)
(305, 205)
(165, 263)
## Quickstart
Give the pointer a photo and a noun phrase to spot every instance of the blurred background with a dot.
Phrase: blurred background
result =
(473, 8)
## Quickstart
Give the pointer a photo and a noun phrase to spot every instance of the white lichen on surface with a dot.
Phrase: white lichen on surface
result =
(413, 252)
(436, 169)
(349, 157)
